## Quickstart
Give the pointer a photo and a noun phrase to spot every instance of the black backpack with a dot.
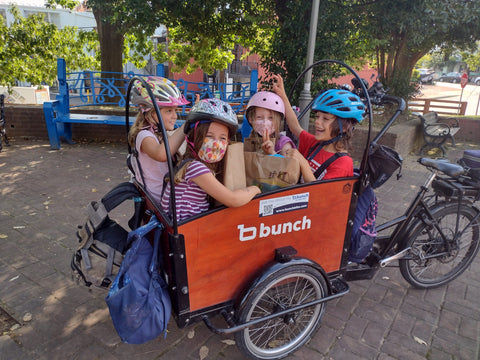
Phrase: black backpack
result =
(102, 241)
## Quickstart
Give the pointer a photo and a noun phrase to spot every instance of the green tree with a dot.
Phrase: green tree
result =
(337, 38)
(393, 34)
(406, 30)
(30, 46)
(472, 58)
(205, 31)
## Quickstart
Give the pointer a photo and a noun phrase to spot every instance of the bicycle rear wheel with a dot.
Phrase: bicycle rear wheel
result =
(431, 263)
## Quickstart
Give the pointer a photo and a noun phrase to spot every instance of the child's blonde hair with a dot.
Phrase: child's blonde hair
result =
(144, 120)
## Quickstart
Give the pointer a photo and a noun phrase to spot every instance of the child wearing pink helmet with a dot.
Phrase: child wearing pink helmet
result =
(144, 136)
(265, 112)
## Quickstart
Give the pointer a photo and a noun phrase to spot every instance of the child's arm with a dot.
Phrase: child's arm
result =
(157, 151)
(290, 116)
(231, 198)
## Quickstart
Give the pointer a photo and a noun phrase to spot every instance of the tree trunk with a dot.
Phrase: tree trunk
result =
(111, 43)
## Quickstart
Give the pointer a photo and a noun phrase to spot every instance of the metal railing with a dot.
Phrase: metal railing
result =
(89, 88)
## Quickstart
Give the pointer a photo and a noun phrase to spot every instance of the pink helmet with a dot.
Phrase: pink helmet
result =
(164, 91)
(268, 100)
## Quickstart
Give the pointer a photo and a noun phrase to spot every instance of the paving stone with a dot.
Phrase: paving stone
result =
(384, 318)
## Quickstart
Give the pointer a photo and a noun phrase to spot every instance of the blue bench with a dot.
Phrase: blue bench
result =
(94, 88)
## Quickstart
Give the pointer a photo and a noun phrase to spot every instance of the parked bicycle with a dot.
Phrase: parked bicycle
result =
(270, 266)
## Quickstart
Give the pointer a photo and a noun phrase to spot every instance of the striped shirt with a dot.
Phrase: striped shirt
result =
(190, 198)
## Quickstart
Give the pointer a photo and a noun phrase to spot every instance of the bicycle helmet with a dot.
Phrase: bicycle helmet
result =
(341, 103)
(268, 100)
(164, 91)
(213, 110)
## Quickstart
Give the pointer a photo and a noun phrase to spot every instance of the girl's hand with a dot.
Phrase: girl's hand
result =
(278, 86)
(267, 146)
(294, 153)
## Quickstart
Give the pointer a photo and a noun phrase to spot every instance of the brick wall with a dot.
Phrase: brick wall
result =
(27, 121)
(469, 129)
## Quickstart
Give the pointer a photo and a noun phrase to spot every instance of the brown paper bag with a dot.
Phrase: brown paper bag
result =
(270, 172)
(234, 174)
(252, 144)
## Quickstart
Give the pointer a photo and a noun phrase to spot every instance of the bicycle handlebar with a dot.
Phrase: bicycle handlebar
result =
(386, 99)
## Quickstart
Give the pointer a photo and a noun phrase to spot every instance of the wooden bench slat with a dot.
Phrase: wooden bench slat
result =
(96, 119)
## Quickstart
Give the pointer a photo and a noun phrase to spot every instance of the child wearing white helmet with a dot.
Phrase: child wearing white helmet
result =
(209, 126)
(265, 112)
(322, 155)
(144, 136)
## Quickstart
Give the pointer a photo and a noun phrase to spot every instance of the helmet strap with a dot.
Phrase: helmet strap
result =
(190, 144)
(144, 109)
(319, 146)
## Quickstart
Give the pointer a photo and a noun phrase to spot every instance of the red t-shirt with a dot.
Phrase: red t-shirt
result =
(342, 167)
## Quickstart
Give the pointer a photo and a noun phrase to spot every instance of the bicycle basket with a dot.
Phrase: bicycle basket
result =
(383, 161)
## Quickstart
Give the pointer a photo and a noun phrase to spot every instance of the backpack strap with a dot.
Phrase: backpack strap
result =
(97, 214)
(327, 163)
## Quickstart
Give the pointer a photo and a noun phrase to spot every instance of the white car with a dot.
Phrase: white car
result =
(477, 81)
(426, 76)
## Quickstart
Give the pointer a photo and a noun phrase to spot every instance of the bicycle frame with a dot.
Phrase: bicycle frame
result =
(404, 222)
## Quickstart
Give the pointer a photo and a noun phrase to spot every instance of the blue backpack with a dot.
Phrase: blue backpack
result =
(138, 300)
(364, 234)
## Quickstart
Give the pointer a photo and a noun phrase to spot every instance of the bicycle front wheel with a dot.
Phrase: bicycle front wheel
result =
(438, 256)
(279, 337)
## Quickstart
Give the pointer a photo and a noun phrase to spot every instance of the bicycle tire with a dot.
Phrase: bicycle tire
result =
(423, 268)
(277, 338)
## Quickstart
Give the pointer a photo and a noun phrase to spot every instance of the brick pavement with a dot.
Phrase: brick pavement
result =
(43, 195)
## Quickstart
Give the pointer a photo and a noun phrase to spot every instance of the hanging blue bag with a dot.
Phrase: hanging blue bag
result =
(138, 299)
(364, 233)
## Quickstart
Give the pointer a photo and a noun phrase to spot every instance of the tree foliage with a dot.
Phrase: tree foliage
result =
(205, 31)
(393, 34)
(30, 46)
(337, 38)
(406, 30)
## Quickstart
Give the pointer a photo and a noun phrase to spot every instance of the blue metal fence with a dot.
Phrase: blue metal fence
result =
(87, 88)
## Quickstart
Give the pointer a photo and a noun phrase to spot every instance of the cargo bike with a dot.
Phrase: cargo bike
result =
(270, 267)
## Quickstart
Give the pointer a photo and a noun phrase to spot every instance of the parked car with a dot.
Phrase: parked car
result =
(453, 77)
(477, 81)
(426, 76)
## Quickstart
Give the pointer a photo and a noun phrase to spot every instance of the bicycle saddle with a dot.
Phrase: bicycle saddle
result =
(444, 166)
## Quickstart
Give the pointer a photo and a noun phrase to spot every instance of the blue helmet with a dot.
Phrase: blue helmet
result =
(341, 103)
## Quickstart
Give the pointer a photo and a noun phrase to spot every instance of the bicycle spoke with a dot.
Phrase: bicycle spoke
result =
(440, 254)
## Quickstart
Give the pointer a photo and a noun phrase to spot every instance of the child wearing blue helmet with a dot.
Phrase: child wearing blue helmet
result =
(322, 155)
